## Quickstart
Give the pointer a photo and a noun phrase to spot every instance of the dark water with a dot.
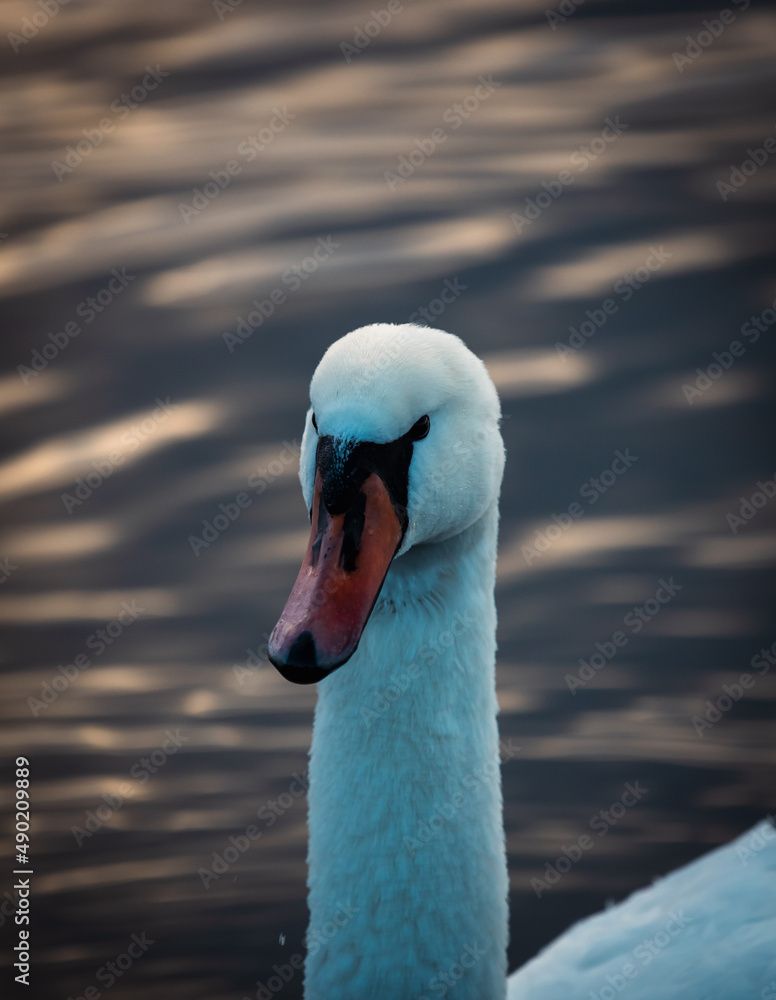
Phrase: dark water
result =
(640, 225)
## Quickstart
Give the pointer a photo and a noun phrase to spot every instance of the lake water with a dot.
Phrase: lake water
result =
(239, 191)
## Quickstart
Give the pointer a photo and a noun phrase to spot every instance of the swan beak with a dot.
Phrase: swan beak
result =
(344, 567)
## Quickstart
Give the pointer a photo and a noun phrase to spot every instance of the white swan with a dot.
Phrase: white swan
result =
(401, 468)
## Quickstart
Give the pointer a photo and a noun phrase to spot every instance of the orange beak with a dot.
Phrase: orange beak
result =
(347, 558)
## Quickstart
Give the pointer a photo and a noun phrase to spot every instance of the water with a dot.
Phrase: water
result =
(151, 381)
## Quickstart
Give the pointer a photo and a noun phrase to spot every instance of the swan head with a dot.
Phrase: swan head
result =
(401, 448)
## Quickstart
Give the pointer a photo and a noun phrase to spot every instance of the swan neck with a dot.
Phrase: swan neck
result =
(407, 865)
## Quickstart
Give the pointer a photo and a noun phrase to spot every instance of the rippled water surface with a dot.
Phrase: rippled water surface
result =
(255, 140)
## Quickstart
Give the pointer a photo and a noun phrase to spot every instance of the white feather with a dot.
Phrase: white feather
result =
(407, 866)
(706, 932)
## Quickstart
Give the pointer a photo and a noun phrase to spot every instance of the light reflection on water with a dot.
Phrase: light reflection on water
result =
(190, 663)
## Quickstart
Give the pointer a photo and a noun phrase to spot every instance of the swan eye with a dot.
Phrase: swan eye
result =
(419, 430)
(315, 424)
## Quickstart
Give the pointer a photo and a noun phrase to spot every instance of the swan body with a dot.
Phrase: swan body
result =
(401, 466)
(705, 932)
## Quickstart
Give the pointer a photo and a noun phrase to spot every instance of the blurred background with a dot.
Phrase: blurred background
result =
(198, 199)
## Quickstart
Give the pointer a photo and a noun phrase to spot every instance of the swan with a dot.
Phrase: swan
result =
(401, 466)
